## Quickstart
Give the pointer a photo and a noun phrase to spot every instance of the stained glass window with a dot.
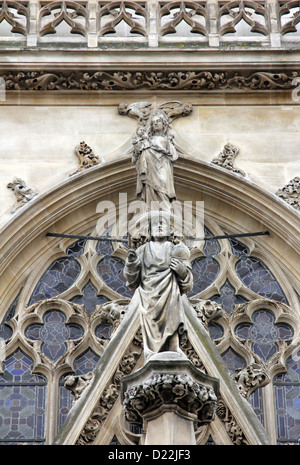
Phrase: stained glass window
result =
(54, 333)
(264, 333)
(287, 401)
(228, 299)
(90, 298)
(255, 275)
(111, 271)
(84, 364)
(57, 279)
(205, 269)
(232, 360)
(22, 401)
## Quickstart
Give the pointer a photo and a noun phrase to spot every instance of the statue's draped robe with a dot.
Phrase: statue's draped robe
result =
(154, 165)
(158, 293)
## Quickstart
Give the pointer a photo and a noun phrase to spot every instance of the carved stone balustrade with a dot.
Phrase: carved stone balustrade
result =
(152, 23)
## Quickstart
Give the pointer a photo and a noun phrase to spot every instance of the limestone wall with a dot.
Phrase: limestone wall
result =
(38, 139)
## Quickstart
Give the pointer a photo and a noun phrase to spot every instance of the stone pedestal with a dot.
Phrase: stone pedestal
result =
(169, 398)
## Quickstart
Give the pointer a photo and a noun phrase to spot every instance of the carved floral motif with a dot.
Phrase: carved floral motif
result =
(151, 80)
(23, 193)
(290, 193)
(179, 389)
(86, 157)
(226, 158)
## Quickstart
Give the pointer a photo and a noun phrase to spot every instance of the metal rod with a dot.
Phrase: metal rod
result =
(231, 236)
(93, 238)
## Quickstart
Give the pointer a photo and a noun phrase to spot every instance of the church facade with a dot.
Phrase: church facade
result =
(78, 81)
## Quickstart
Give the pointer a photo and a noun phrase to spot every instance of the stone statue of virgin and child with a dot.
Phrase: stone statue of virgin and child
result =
(158, 270)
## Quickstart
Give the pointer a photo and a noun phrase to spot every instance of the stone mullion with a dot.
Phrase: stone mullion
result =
(153, 22)
(275, 36)
(33, 18)
(92, 36)
(212, 7)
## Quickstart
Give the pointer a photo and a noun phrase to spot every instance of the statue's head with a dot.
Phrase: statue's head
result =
(159, 122)
(159, 225)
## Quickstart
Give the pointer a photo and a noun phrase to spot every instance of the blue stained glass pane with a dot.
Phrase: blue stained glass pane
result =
(264, 333)
(256, 401)
(232, 360)
(76, 249)
(104, 331)
(84, 364)
(287, 401)
(111, 271)
(255, 275)
(238, 248)
(22, 401)
(215, 331)
(228, 299)
(54, 333)
(211, 247)
(205, 271)
(90, 298)
(105, 248)
(58, 278)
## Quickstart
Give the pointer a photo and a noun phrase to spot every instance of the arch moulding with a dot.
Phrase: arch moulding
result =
(238, 205)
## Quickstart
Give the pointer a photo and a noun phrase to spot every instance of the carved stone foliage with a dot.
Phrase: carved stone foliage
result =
(17, 15)
(23, 193)
(252, 377)
(77, 384)
(207, 311)
(234, 431)
(151, 80)
(226, 159)
(86, 157)
(290, 193)
(111, 393)
(178, 389)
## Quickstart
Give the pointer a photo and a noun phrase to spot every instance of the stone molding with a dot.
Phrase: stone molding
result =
(155, 80)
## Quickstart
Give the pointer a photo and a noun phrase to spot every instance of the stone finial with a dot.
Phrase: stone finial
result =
(290, 193)
(23, 193)
(226, 158)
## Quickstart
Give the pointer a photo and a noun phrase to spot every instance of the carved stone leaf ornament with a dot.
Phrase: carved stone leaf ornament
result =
(290, 193)
(226, 158)
(23, 193)
(168, 388)
(152, 80)
(86, 157)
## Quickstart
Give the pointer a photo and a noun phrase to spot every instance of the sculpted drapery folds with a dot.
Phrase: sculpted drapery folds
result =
(153, 156)
(160, 272)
